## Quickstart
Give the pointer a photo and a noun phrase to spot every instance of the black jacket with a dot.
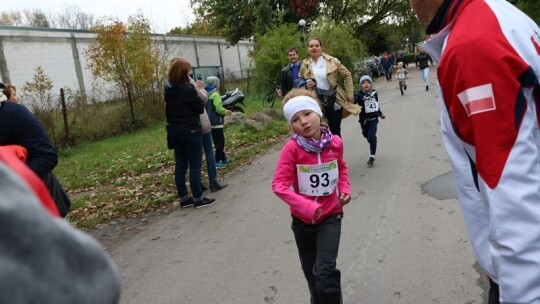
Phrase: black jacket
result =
(287, 79)
(19, 126)
(422, 60)
(360, 97)
(182, 109)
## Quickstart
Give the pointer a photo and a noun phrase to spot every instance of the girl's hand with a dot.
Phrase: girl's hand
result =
(344, 199)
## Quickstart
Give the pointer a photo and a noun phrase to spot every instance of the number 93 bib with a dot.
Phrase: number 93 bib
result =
(319, 179)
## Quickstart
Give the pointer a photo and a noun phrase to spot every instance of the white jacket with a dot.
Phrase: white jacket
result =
(489, 67)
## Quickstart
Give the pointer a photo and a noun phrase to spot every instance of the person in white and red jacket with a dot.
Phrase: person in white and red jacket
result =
(311, 176)
(489, 68)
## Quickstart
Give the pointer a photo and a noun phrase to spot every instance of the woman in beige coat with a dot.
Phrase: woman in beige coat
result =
(320, 71)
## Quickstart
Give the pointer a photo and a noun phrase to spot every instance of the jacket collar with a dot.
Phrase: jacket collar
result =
(446, 14)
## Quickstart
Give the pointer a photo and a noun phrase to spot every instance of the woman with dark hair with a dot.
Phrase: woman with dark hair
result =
(183, 108)
(321, 71)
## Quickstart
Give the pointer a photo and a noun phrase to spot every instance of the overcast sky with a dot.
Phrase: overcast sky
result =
(162, 14)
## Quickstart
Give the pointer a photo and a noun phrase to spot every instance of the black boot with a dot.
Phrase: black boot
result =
(216, 187)
(427, 88)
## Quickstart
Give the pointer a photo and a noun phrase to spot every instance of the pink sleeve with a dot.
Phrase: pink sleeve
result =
(284, 179)
(344, 185)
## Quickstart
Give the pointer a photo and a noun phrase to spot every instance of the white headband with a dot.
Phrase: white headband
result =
(299, 103)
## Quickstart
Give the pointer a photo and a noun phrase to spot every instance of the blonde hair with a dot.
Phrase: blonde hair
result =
(303, 92)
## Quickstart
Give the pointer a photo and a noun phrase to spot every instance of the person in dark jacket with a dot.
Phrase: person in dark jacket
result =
(402, 58)
(387, 62)
(368, 99)
(18, 126)
(289, 74)
(183, 108)
(422, 64)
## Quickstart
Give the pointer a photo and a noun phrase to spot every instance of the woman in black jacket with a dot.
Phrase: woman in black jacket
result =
(183, 108)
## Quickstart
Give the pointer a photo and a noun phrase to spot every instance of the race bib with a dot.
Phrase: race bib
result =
(371, 105)
(401, 76)
(317, 180)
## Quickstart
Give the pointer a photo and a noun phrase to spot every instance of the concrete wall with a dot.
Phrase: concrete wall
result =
(61, 55)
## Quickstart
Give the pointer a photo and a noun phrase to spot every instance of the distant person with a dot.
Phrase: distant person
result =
(321, 72)
(216, 113)
(183, 108)
(401, 74)
(422, 64)
(11, 93)
(311, 176)
(289, 74)
(488, 56)
(387, 62)
(44, 259)
(402, 58)
(368, 99)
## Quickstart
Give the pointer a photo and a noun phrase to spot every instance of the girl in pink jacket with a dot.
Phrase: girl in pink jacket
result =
(312, 177)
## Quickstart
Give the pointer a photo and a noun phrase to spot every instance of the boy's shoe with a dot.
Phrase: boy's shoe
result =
(369, 162)
(187, 203)
(220, 165)
(205, 202)
(405, 87)
(216, 187)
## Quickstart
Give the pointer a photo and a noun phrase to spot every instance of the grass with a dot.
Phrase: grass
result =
(132, 174)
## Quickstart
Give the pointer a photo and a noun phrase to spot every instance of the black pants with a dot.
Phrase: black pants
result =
(369, 130)
(318, 249)
(493, 293)
(334, 119)
(218, 137)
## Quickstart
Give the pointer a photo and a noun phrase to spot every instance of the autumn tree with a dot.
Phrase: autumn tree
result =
(125, 55)
(11, 18)
(72, 17)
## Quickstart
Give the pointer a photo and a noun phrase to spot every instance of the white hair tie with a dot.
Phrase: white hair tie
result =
(299, 103)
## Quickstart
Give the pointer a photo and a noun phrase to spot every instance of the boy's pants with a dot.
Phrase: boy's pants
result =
(219, 143)
(369, 130)
(318, 249)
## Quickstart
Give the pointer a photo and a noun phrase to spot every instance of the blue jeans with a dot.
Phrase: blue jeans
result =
(210, 158)
(369, 130)
(425, 76)
(189, 153)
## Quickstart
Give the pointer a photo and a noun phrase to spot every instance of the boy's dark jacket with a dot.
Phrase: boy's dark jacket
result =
(182, 109)
(360, 98)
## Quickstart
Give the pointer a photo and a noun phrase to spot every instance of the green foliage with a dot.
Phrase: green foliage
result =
(271, 53)
(339, 41)
(529, 7)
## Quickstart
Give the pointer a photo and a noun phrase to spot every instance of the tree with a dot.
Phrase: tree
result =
(125, 55)
(12, 18)
(71, 17)
(36, 18)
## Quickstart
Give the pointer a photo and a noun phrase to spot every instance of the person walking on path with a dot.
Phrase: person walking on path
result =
(489, 120)
(401, 75)
(311, 176)
(183, 108)
(321, 71)
(216, 113)
(422, 64)
(387, 62)
(368, 99)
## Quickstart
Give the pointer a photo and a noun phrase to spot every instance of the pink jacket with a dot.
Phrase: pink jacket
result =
(285, 176)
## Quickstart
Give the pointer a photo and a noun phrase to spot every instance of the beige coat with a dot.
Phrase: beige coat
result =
(333, 67)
